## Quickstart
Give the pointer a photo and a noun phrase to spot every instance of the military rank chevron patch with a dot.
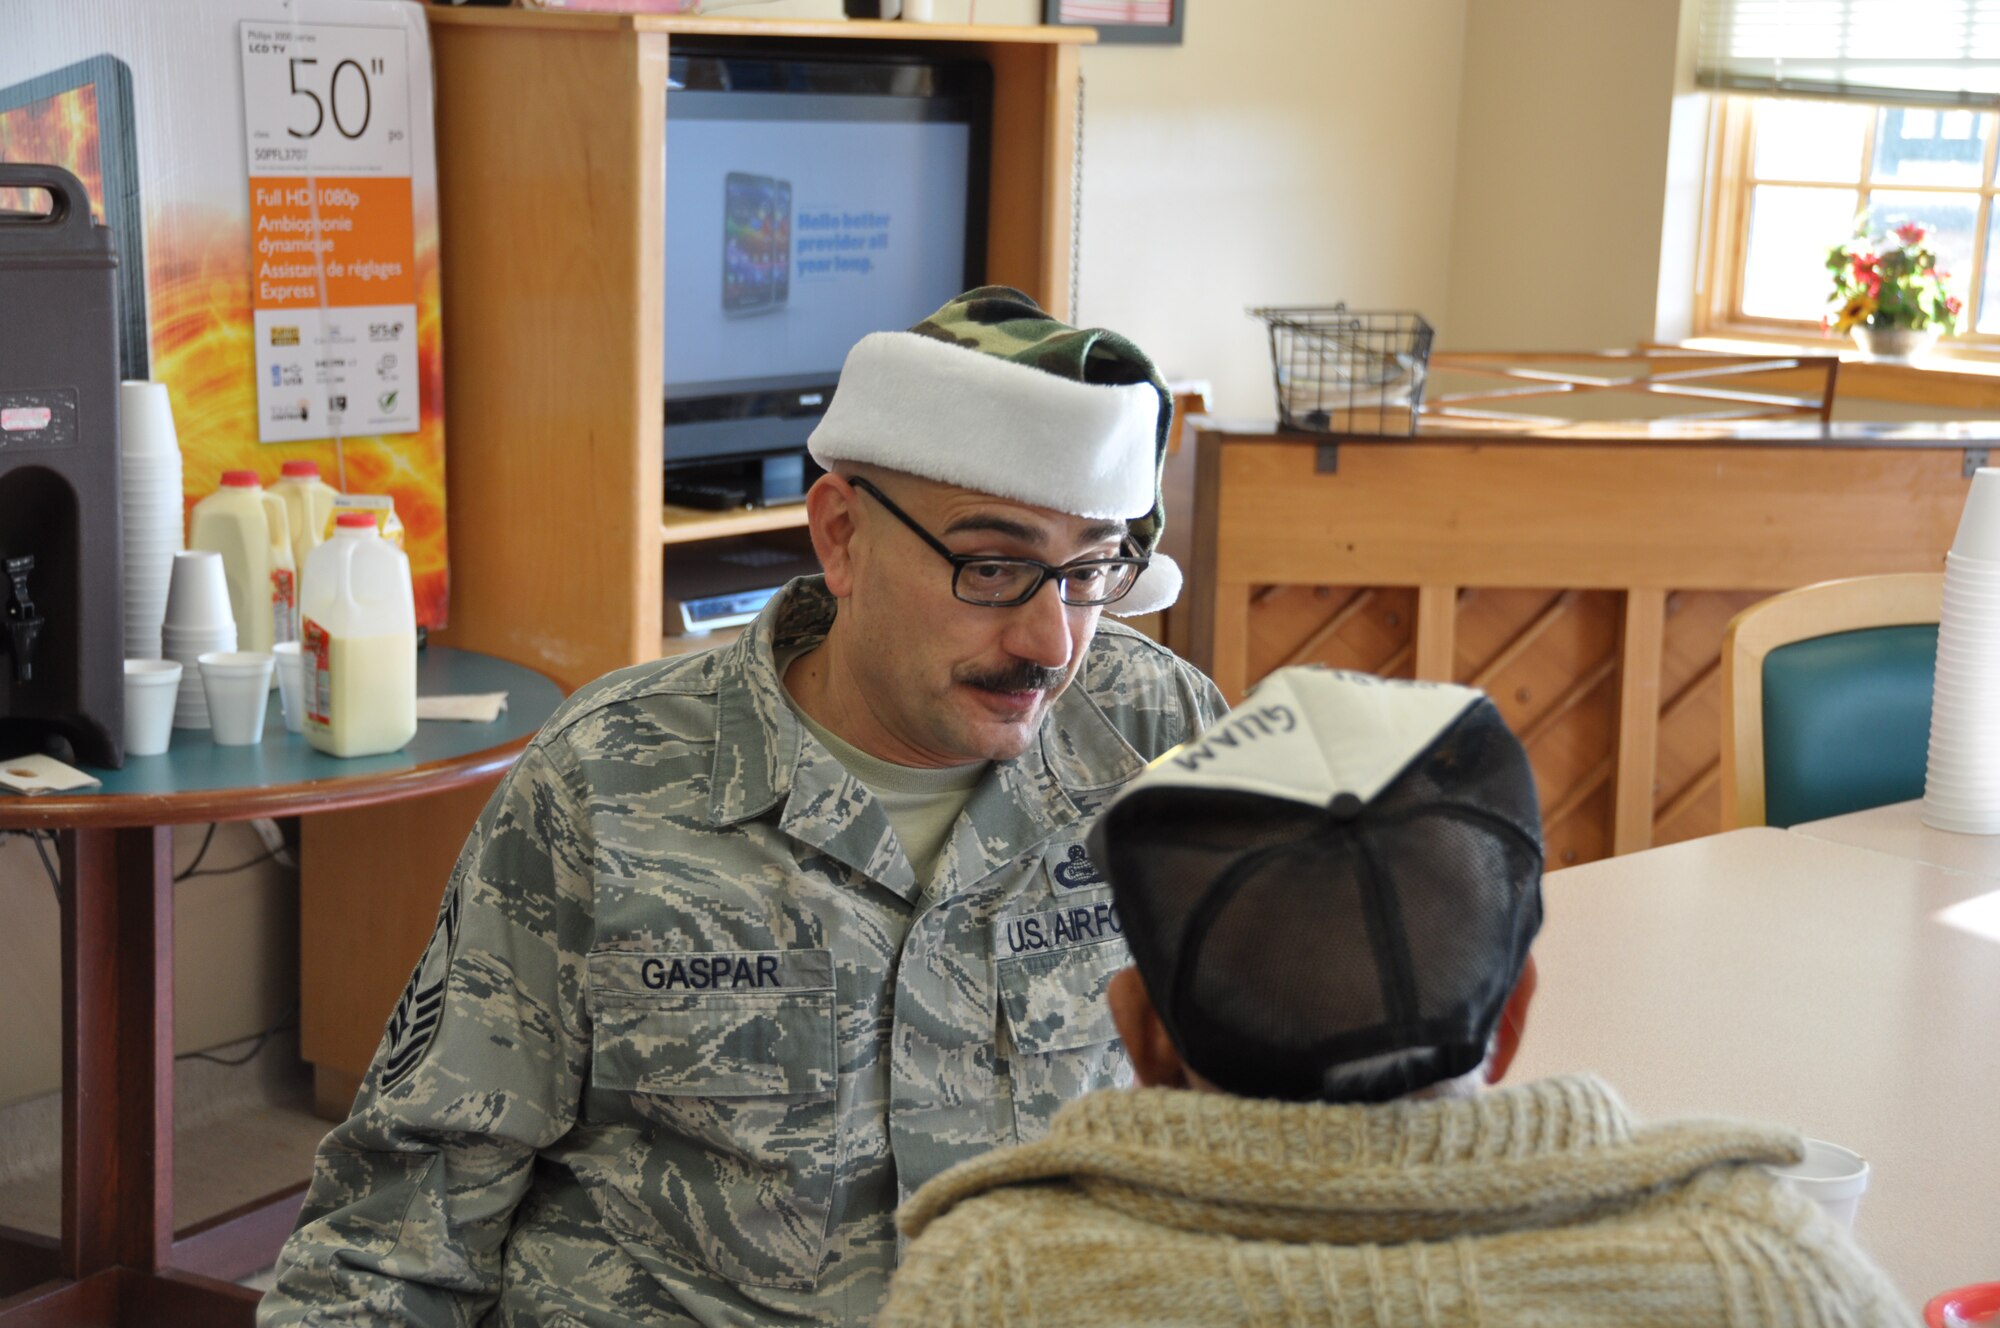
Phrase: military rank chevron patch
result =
(419, 1009)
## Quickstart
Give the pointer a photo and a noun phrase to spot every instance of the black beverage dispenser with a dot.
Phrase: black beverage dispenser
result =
(62, 626)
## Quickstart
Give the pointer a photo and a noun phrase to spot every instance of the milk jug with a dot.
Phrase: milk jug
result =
(360, 642)
(249, 528)
(308, 506)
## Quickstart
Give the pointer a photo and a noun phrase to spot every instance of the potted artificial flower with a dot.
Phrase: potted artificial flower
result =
(1889, 293)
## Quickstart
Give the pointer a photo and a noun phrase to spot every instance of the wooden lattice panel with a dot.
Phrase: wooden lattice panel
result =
(1343, 627)
(1550, 660)
(1687, 793)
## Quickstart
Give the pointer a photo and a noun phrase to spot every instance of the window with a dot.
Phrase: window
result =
(1791, 177)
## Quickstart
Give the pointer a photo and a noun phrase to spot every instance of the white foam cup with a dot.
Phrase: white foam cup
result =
(1961, 782)
(1959, 823)
(1979, 521)
(151, 688)
(1966, 774)
(237, 685)
(1972, 566)
(146, 420)
(292, 684)
(1963, 663)
(1831, 1176)
(1974, 602)
(1955, 797)
(1972, 757)
(197, 593)
(187, 647)
(1963, 683)
(1962, 607)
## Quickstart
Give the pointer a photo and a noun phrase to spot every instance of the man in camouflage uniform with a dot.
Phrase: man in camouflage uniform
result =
(750, 944)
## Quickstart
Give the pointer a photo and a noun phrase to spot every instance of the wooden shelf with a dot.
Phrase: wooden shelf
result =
(687, 525)
(699, 25)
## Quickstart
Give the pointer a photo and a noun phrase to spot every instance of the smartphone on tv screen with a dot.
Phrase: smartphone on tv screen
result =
(756, 243)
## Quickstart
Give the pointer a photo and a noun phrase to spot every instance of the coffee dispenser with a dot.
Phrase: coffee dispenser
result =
(62, 655)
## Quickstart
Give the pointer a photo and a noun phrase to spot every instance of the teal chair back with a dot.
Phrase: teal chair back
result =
(1847, 721)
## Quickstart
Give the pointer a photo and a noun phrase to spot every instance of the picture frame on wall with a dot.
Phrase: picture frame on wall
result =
(1157, 21)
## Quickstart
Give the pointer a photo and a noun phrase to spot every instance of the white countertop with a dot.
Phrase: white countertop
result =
(1899, 831)
(1775, 976)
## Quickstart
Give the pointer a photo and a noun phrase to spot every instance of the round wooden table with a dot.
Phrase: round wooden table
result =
(119, 1258)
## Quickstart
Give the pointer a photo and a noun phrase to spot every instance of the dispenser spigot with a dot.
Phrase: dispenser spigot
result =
(24, 625)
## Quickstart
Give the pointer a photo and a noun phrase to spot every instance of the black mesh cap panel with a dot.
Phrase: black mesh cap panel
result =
(1281, 941)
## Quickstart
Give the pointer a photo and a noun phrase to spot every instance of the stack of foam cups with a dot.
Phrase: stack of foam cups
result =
(1962, 780)
(150, 473)
(198, 622)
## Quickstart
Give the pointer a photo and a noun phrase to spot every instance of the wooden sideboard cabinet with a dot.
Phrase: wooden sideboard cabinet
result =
(1581, 575)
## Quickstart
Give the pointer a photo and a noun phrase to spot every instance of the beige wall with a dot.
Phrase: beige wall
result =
(1564, 113)
(1290, 152)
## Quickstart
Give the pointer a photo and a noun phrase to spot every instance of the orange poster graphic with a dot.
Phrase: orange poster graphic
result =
(340, 243)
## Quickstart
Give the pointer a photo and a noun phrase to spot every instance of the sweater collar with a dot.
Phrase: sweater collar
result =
(1537, 1154)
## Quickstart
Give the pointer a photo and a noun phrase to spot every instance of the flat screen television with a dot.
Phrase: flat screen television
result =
(810, 201)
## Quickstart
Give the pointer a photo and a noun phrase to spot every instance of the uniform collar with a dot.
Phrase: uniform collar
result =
(764, 756)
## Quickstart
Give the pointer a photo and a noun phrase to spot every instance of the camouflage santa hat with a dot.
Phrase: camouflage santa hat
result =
(992, 394)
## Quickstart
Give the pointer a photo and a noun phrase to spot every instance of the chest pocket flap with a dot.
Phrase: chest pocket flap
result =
(721, 1024)
(1054, 997)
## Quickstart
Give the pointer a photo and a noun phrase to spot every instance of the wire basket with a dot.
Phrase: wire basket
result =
(1348, 372)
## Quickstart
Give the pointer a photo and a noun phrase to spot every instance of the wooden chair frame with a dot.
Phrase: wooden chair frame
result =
(1898, 600)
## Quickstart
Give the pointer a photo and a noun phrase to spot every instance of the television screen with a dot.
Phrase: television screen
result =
(80, 118)
(808, 204)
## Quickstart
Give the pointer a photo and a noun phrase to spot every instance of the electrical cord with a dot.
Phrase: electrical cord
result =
(285, 1024)
(199, 853)
(263, 857)
(35, 838)
(55, 877)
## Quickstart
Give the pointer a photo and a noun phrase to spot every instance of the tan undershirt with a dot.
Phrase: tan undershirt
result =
(922, 804)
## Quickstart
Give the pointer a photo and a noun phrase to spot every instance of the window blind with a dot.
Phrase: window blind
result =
(1926, 52)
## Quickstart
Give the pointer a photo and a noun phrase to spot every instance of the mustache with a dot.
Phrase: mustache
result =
(1023, 675)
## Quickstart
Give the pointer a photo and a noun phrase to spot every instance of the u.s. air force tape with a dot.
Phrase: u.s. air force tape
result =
(1056, 929)
(681, 972)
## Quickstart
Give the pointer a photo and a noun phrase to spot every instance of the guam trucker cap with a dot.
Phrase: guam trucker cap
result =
(1344, 868)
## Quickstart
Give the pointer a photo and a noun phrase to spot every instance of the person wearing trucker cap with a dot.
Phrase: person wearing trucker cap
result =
(723, 972)
(1329, 899)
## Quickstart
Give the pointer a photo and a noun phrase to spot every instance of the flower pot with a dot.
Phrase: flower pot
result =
(1894, 343)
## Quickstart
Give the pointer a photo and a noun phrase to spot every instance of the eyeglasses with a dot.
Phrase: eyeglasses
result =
(999, 583)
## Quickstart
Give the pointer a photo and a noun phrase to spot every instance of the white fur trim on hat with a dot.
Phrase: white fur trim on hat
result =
(1157, 588)
(949, 413)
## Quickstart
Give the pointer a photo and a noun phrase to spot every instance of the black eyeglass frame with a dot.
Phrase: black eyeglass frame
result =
(1044, 572)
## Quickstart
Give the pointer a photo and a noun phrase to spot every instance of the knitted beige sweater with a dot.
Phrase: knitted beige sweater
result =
(1542, 1204)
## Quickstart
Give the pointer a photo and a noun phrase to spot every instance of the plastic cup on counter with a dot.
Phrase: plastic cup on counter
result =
(146, 421)
(1979, 521)
(1831, 1176)
(237, 685)
(198, 592)
(151, 688)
